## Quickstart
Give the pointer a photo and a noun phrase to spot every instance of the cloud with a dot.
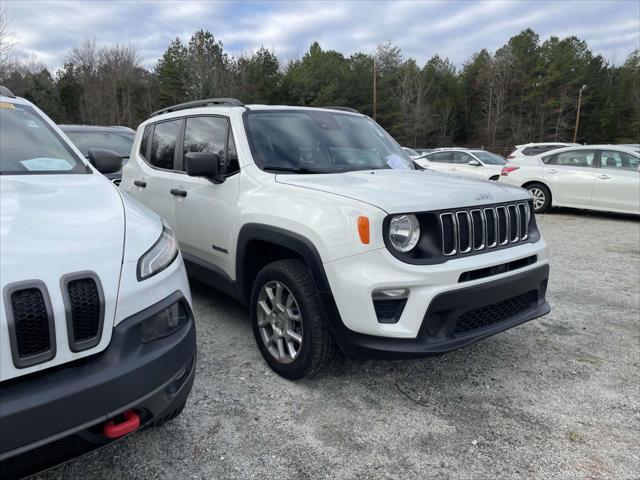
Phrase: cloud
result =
(454, 29)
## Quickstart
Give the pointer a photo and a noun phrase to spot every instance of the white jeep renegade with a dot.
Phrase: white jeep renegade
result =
(317, 219)
(97, 337)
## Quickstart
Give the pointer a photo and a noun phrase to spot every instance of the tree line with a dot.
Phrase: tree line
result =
(526, 91)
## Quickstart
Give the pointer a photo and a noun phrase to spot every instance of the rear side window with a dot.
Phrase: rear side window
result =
(573, 158)
(144, 143)
(213, 135)
(163, 144)
(618, 160)
(441, 157)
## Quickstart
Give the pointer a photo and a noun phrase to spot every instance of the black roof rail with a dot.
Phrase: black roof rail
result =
(207, 102)
(6, 92)
(344, 109)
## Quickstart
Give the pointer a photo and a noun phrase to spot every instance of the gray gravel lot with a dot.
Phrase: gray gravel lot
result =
(555, 398)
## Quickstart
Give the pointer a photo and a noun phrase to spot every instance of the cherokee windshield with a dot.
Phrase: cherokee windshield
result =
(315, 141)
(28, 144)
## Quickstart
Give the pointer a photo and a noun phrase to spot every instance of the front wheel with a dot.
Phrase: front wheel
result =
(289, 321)
(541, 197)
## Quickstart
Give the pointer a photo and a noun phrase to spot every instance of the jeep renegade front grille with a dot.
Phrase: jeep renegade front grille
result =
(31, 323)
(465, 231)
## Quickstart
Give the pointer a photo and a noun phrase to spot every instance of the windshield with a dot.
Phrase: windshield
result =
(118, 142)
(28, 144)
(314, 141)
(489, 158)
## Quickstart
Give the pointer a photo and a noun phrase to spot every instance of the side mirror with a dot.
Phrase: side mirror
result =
(203, 164)
(474, 163)
(105, 161)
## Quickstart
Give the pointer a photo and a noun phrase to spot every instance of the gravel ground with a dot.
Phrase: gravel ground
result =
(555, 398)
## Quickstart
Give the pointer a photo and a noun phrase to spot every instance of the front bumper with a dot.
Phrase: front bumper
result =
(72, 401)
(458, 318)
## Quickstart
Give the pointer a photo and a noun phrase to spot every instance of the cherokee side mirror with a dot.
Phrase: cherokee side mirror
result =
(105, 161)
(203, 164)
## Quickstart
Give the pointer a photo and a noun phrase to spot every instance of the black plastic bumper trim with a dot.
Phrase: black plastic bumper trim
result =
(43, 407)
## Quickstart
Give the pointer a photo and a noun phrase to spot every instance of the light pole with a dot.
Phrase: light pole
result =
(575, 132)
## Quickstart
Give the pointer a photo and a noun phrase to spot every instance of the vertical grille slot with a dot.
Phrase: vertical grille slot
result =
(492, 227)
(84, 303)
(479, 228)
(464, 231)
(523, 208)
(514, 223)
(449, 233)
(30, 323)
(503, 234)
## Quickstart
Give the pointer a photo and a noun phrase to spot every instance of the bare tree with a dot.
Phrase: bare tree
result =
(7, 44)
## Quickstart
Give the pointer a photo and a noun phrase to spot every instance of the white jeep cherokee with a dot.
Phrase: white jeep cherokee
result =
(317, 219)
(97, 337)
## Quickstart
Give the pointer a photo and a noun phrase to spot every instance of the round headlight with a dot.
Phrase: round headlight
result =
(404, 232)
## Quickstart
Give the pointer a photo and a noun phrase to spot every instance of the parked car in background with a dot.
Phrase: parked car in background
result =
(97, 338)
(423, 151)
(411, 152)
(117, 139)
(534, 149)
(594, 177)
(461, 161)
(317, 220)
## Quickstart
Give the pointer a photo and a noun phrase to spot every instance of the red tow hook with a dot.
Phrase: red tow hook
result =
(117, 430)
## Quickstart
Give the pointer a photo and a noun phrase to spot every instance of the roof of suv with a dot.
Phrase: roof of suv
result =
(95, 128)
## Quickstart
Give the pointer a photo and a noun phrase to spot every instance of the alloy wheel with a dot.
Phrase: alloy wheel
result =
(538, 198)
(279, 321)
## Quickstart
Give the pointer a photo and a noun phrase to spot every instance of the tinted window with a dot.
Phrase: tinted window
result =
(28, 144)
(118, 142)
(144, 143)
(321, 142)
(209, 134)
(163, 145)
(461, 157)
(574, 158)
(618, 160)
(440, 157)
(530, 151)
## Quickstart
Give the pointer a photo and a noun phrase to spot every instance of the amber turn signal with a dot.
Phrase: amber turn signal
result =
(363, 229)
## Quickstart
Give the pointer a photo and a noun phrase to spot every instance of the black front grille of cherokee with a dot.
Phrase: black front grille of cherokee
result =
(495, 313)
(31, 322)
(84, 301)
(464, 231)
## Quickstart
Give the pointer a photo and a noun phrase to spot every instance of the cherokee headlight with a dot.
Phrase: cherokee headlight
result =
(404, 232)
(160, 256)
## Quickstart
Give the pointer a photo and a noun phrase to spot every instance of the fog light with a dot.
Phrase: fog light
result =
(164, 323)
(390, 293)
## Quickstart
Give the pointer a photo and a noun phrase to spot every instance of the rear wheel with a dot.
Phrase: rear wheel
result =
(541, 197)
(289, 321)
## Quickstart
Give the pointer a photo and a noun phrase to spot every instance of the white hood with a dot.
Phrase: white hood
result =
(53, 225)
(404, 191)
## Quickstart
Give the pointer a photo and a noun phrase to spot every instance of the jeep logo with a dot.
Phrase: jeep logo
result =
(484, 196)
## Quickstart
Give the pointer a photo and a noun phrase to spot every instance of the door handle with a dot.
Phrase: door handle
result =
(140, 183)
(551, 171)
(178, 193)
(604, 177)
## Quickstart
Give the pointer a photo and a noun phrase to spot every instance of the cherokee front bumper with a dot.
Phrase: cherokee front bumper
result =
(57, 414)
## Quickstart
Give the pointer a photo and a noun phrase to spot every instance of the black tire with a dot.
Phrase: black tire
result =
(540, 189)
(317, 347)
(495, 178)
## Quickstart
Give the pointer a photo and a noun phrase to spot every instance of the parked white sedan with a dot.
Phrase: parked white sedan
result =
(464, 162)
(594, 177)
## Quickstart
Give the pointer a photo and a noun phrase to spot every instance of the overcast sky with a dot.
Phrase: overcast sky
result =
(454, 29)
